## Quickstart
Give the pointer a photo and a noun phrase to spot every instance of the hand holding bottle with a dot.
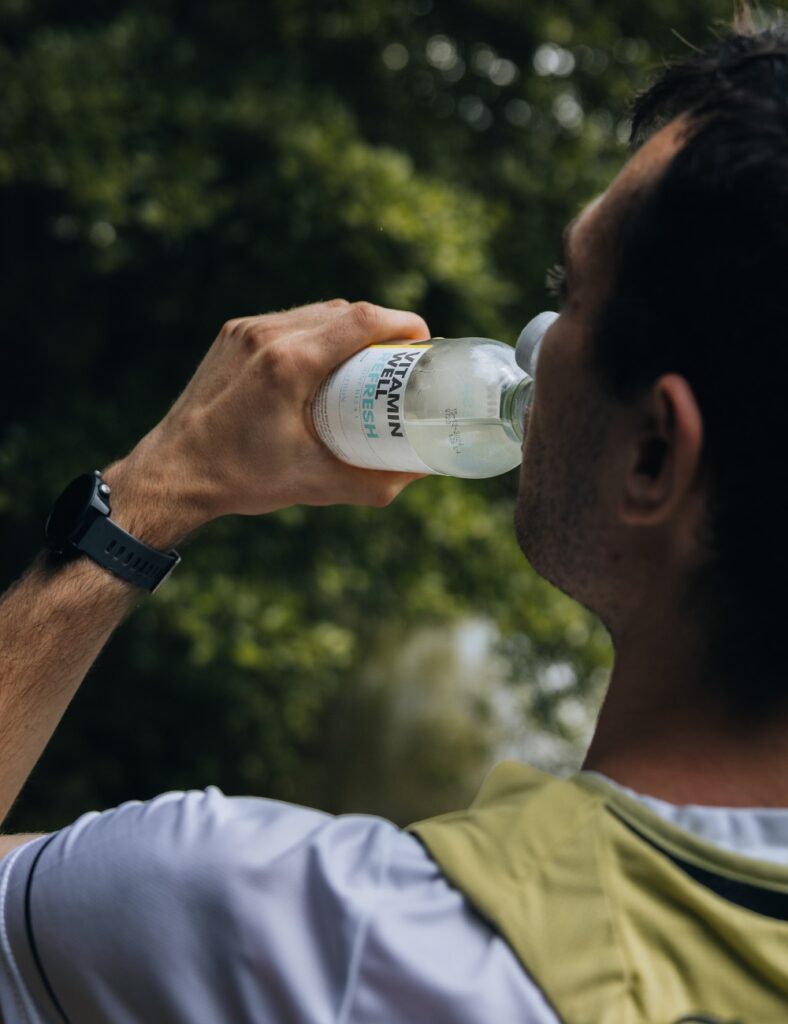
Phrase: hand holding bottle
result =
(240, 439)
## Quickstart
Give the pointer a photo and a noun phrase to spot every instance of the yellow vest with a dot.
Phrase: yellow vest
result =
(619, 916)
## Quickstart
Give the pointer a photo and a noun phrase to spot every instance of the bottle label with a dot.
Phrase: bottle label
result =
(358, 411)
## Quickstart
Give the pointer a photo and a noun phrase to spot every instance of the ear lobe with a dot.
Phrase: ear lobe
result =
(665, 454)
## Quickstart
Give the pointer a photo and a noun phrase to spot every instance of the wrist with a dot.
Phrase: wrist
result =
(153, 499)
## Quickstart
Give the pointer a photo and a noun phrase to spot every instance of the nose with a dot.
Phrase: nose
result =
(526, 351)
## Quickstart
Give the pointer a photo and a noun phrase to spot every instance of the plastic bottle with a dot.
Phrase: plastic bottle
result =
(448, 406)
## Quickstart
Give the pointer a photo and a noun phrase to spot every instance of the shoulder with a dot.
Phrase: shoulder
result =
(255, 908)
(240, 855)
(223, 901)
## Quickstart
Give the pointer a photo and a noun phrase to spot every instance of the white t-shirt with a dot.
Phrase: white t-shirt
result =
(200, 908)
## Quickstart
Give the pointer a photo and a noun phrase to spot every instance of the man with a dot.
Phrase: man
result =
(653, 886)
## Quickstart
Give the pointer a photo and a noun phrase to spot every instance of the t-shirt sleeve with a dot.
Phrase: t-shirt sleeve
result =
(190, 907)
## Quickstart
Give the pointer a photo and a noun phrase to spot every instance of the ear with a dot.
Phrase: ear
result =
(663, 463)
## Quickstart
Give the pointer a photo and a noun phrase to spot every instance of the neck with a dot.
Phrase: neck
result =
(661, 733)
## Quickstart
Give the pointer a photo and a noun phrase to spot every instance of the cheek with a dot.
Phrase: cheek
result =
(555, 349)
(554, 428)
(560, 375)
(537, 437)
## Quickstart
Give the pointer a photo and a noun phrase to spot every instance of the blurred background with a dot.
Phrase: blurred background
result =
(165, 166)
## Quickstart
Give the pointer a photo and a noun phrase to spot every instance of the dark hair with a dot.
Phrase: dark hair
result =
(700, 288)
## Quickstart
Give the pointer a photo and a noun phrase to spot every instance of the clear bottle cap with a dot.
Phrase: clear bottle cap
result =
(526, 350)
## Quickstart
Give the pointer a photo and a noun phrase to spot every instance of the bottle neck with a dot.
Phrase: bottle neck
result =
(515, 402)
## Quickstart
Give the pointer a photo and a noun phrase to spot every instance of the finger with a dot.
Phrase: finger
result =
(362, 324)
(298, 318)
(313, 314)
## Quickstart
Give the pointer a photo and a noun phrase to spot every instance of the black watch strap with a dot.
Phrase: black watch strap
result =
(115, 549)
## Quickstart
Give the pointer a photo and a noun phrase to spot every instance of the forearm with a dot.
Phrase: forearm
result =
(53, 625)
(55, 621)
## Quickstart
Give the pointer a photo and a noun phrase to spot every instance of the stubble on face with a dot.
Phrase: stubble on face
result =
(562, 523)
(557, 518)
(557, 512)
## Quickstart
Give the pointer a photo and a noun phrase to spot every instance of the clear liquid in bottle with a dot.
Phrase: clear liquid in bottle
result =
(452, 406)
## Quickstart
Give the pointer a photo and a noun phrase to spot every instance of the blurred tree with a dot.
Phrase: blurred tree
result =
(165, 166)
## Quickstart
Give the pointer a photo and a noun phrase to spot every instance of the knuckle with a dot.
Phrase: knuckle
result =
(336, 303)
(365, 315)
(232, 327)
(258, 334)
(274, 359)
(250, 333)
(283, 366)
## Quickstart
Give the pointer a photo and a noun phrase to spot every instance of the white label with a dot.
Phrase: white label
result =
(358, 411)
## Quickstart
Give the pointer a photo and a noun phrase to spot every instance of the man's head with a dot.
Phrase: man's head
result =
(652, 457)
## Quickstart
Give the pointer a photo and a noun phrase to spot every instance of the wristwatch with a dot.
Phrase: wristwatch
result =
(79, 524)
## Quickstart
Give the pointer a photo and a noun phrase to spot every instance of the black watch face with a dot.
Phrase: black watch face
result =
(69, 511)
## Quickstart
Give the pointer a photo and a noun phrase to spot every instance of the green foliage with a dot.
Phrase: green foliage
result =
(164, 167)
